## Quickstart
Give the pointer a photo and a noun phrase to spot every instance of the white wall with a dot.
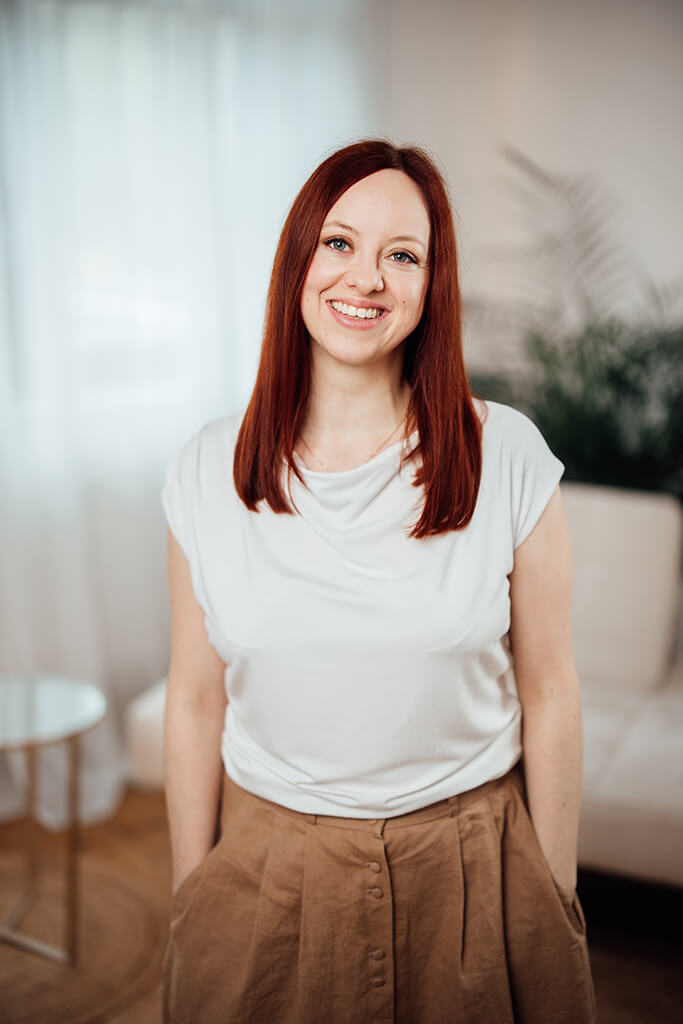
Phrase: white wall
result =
(592, 86)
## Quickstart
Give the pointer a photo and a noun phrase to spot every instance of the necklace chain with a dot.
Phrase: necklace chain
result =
(376, 451)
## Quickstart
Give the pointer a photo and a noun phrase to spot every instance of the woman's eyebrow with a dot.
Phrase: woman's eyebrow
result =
(338, 224)
(406, 238)
(390, 241)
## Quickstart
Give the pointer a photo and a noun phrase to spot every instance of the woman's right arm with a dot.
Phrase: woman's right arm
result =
(193, 725)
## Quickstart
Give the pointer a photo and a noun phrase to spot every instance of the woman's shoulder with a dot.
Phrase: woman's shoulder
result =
(518, 466)
(511, 439)
(504, 424)
(497, 415)
(224, 428)
(214, 437)
(201, 458)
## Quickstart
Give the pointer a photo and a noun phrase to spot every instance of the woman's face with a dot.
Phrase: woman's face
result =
(365, 289)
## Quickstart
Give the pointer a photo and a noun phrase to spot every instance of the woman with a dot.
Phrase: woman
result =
(371, 670)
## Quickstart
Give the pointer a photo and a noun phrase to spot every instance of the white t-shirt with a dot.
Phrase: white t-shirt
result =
(368, 673)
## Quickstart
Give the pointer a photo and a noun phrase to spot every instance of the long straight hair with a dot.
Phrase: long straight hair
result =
(441, 408)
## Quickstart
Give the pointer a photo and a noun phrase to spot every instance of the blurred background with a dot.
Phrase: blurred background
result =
(149, 151)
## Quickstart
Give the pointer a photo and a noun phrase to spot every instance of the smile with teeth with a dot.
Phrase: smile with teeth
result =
(362, 312)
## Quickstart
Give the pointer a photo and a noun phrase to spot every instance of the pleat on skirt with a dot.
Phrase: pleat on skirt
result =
(446, 914)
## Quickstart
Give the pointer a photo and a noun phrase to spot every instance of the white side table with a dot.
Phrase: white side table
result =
(35, 711)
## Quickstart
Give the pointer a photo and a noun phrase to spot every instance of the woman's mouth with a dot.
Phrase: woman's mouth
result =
(345, 312)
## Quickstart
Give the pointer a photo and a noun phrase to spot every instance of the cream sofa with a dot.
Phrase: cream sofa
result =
(627, 556)
(627, 635)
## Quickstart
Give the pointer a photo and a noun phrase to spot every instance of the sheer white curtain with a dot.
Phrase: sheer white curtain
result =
(148, 154)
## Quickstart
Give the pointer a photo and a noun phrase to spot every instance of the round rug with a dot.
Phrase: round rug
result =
(121, 945)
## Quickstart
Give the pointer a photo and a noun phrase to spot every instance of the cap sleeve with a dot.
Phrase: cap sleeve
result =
(534, 474)
(179, 496)
(177, 492)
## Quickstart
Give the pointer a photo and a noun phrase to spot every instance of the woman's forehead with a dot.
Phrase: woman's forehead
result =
(385, 200)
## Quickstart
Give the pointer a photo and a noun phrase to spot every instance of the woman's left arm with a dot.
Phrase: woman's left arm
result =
(548, 687)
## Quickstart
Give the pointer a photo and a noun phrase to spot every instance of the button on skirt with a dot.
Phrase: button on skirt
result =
(448, 913)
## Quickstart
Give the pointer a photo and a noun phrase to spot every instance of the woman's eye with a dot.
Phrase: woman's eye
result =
(336, 244)
(402, 257)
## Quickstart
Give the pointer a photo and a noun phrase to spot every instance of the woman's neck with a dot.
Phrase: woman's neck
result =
(343, 429)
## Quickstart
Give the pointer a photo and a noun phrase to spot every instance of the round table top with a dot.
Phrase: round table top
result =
(41, 708)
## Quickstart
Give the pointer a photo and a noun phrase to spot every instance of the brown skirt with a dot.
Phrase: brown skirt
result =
(445, 914)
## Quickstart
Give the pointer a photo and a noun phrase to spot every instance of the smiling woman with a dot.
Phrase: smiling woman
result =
(371, 228)
(361, 280)
(362, 297)
(374, 682)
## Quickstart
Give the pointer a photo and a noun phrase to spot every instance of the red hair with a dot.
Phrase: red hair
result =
(441, 406)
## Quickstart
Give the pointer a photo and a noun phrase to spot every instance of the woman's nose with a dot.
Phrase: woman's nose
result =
(364, 275)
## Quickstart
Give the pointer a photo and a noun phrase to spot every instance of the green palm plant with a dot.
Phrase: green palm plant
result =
(605, 389)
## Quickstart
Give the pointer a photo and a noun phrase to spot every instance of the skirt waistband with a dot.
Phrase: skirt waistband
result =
(450, 806)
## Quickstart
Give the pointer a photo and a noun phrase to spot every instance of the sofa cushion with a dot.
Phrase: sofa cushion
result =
(607, 717)
(627, 555)
(632, 805)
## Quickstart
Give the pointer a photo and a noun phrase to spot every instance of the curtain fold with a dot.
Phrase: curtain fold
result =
(148, 154)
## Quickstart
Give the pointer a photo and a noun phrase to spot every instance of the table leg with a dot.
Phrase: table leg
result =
(8, 931)
(20, 907)
(32, 846)
(72, 840)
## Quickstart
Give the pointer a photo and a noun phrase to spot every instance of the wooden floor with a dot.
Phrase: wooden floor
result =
(635, 929)
(135, 839)
(138, 838)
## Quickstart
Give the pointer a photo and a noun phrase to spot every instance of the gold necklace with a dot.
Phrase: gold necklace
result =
(369, 459)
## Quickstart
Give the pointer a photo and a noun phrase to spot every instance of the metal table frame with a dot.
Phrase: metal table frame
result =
(9, 931)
